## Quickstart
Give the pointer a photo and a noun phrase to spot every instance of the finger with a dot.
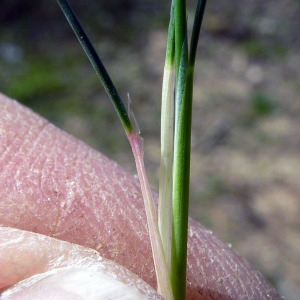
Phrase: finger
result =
(71, 283)
(53, 184)
(64, 270)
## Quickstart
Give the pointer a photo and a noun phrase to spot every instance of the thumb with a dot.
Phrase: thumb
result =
(60, 270)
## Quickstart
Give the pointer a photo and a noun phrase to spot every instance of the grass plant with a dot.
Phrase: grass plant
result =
(185, 63)
(169, 229)
(130, 126)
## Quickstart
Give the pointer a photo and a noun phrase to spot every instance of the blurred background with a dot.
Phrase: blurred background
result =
(245, 175)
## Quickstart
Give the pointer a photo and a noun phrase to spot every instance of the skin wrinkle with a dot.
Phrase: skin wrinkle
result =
(28, 154)
(11, 117)
(10, 148)
(238, 274)
(127, 219)
(19, 174)
(6, 146)
(32, 137)
(91, 202)
(67, 202)
(51, 190)
(59, 170)
(39, 160)
(88, 173)
(43, 197)
(122, 193)
(117, 205)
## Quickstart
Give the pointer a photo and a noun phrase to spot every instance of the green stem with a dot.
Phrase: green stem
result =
(181, 175)
(180, 31)
(167, 138)
(181, 156)
(96, 63)
(182, 142)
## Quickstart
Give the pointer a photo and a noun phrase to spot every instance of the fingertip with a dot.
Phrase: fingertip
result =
(73, 283)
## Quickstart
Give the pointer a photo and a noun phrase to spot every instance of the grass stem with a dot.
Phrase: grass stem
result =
(132, 132)
(180, 31)
(167, 143)
(162, 272)
(181, 173)
(182, 141)
(165, 229)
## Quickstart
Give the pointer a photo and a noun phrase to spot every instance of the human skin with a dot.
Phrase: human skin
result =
(53, 184)
(47, 268)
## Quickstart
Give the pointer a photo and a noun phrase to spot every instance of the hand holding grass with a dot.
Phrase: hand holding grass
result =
(54, 184)
(170, 264)
(169, 255)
